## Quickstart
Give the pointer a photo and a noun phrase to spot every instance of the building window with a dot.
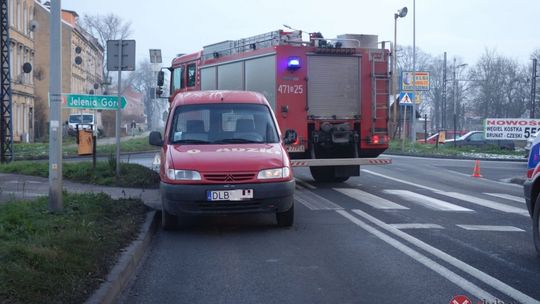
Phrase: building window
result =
(19, 63)
(32, 72)
(11, 16)
(18, 15)
(25, 20)
(12, 50)
(19, 119)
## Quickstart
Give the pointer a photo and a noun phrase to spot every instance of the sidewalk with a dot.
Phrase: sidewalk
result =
(14, 186)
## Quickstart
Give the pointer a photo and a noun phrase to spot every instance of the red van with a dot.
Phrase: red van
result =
(222, 153)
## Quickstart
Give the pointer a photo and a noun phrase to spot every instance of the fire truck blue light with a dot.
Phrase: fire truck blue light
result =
(294, 63)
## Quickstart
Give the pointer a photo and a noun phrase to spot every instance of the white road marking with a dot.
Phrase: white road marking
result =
(416, 226)
(426, 201)
(370, 199)
(314, 201)
(305, 184)
(463, 197)
(482, 276)
(491, 228)
(420, 258)
(508, 197)
(486, 203)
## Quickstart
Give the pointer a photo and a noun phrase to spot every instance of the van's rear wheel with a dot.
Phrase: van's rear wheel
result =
(285, 219)
(536, 225)
(168, 221)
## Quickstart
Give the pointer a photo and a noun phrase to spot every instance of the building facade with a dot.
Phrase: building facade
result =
(21, 56)
(82, 64)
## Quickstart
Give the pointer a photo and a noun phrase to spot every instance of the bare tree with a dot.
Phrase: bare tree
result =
(106, 27)
(144, 81)
(498, 86)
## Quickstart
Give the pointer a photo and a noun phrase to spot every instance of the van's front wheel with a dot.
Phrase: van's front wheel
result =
(168, 221)
(285, 219)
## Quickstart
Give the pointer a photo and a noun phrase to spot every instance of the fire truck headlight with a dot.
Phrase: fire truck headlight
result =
(293, 63)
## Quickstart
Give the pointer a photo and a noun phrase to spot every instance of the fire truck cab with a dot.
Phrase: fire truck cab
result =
(330, 96)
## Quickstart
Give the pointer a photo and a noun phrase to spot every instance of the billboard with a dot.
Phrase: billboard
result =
(422, 81)
(510, 128)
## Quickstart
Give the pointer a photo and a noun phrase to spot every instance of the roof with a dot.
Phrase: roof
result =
(200, 97)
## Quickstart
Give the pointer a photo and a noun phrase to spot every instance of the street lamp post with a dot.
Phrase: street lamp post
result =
(454, 92)
(400, 14)
(413, 118)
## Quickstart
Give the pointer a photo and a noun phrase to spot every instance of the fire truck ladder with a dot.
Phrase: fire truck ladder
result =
(269, 39)
(380, 84)
(6, 130)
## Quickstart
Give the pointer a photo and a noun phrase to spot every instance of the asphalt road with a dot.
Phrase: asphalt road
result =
(417, 231)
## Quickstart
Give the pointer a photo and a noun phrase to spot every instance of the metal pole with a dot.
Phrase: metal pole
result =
(119, 109)
(394, 76)
(454, 90)
(443, 111)
(413, 118)
(55, 127)
(533, 89)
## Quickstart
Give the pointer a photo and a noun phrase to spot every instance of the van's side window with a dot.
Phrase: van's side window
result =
(178, 79)
(191, 74)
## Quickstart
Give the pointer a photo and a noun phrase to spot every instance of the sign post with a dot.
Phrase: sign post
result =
(120, 57)
(55, 131)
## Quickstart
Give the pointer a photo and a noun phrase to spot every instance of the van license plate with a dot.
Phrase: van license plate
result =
(230, 195)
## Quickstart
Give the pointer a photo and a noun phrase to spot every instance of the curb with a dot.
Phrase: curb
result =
(397, 153)
(127, 263)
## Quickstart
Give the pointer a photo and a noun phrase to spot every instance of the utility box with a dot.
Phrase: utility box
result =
(86, 142)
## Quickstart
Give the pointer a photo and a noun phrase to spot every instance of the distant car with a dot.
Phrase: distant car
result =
(434, 137)
(533, 139)
(477, 139)
(531, 190)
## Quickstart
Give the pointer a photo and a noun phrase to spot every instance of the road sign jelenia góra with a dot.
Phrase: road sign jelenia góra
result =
(510, 128)
(95, 102)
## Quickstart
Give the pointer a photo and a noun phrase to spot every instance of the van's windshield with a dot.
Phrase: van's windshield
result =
(81, 118)
(223, 124)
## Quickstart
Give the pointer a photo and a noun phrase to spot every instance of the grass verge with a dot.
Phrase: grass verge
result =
(448, 150)
(69, 148)
(131, 175)
(63, 257)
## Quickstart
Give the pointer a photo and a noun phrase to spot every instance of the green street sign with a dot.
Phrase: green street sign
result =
(95, 102)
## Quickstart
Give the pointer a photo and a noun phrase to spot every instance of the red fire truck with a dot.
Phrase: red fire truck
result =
(330, 95)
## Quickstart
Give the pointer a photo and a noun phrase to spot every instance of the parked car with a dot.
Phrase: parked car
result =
(449, 134)
(533, 139)
(477, 139)
(531, 189)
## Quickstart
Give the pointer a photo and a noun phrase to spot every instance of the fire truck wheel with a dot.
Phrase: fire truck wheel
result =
(536, 225)
(322, 174)
(285, 219)
(340, 179)
(168, 221)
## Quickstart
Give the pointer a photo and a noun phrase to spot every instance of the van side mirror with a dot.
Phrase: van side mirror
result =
(155, 139)
(160, 78)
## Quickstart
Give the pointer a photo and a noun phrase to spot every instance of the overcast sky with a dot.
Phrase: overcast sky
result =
(462, 28)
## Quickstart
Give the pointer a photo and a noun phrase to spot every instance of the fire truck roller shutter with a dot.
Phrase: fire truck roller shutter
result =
(209, 78)
(334, 86)
(261, 77)
(230, 76)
